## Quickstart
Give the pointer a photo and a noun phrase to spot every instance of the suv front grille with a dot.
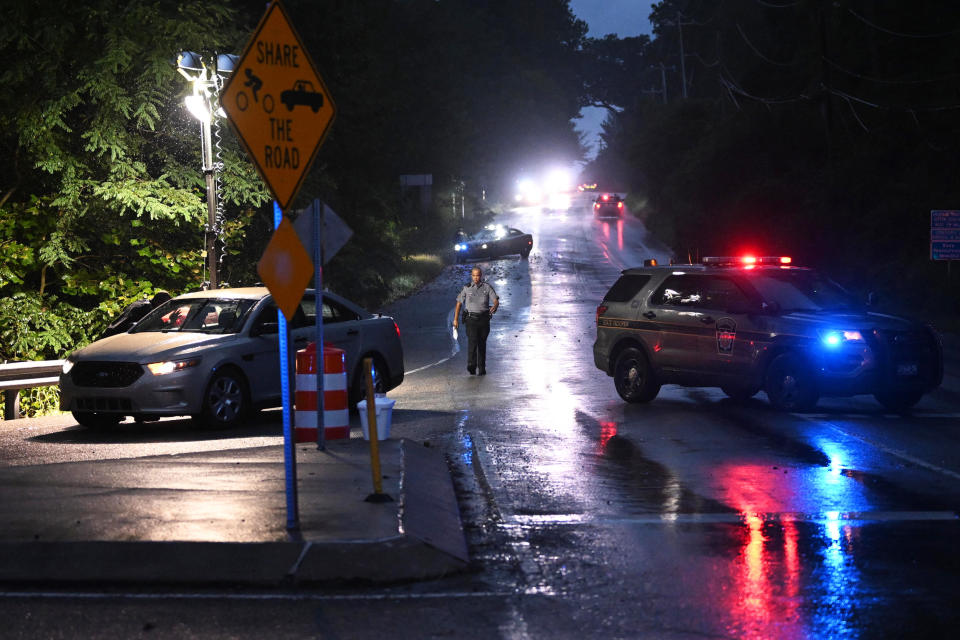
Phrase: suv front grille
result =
(105, 374)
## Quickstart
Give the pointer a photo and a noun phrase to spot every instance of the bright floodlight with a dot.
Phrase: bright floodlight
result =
(197, 107)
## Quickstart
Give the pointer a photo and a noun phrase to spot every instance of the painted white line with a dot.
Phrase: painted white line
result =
(80, 595)
(575, 519)
(897, 453)
(419, 369)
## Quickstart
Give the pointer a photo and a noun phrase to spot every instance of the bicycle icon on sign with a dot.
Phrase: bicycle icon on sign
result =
(255, 84)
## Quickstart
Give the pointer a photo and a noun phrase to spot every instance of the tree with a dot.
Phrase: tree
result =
(102, 194)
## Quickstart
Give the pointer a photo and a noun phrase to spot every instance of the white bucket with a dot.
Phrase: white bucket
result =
(384, 408)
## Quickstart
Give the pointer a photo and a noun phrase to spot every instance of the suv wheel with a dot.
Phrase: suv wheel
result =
(225, 402)
(93, 420)
(898, 401)
(634, 378)
(791, 384)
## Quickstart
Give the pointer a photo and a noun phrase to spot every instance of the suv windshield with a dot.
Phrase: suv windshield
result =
(202, 315)
(801, 291)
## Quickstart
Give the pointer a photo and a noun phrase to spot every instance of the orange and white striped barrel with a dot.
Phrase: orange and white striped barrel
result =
(336, 418)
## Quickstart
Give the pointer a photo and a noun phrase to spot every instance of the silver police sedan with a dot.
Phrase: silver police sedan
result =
(213, 355)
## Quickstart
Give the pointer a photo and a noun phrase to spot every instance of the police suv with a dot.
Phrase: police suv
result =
(748, 324)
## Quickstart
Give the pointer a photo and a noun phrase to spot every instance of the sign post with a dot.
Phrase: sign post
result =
(281, 110)
(322, 233)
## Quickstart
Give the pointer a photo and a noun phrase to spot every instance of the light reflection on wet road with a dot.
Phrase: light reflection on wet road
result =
(691, 515)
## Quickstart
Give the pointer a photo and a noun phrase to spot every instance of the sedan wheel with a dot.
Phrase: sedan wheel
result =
(225, 402)
(633, 377)
(381, 374)
(790, 384)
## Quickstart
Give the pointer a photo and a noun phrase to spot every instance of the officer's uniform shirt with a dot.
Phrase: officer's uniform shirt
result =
(477, 298)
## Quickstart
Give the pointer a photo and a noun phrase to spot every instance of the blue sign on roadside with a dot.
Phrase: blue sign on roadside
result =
(944, 235)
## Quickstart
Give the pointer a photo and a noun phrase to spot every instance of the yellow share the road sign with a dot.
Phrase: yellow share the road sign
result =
(279, 104)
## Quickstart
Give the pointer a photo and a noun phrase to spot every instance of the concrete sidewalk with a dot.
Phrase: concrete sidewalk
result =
(220, 518)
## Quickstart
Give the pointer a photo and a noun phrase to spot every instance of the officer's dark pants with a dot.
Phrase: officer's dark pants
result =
(478, 328)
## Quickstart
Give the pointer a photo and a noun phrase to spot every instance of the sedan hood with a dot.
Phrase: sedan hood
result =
(149, 346)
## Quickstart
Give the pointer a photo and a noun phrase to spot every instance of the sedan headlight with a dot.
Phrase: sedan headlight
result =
(459, 247)
(170, 366)
(835, 337)
(67, 365)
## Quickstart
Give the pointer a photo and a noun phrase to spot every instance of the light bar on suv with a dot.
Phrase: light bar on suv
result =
(727, 261)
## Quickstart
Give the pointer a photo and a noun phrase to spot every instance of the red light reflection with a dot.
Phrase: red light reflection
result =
(620, 234)
(766, 600)
(607, 431)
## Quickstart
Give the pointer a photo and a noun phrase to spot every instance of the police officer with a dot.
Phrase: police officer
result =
(479, 301)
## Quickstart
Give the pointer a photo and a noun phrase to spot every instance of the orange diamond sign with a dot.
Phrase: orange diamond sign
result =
(278, 104)
(285, 268)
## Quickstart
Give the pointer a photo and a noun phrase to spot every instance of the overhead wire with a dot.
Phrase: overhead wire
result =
(842, 69)
(899, 34)
(776, 6)
(757, 51)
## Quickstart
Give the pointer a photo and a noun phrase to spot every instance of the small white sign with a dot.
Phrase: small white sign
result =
(334, 233)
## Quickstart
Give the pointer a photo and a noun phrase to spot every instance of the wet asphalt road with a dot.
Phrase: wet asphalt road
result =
(689, 517)
(692, 516)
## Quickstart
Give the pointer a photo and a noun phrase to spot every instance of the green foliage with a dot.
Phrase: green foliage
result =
(42, 328)
(36, 402)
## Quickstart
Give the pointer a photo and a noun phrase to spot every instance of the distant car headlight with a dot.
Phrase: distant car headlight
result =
(163, 368)
(459, 247)
(835, 338)
(484, 246)
(67, 365)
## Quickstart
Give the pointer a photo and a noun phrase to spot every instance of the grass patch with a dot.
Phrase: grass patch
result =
(415, 271)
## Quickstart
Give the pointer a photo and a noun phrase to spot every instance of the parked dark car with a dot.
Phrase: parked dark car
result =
(492, 242)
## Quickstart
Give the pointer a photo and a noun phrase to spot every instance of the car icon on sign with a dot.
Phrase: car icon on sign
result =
(302, 93)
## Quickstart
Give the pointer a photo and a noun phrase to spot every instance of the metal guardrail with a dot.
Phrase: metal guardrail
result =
(15, 376)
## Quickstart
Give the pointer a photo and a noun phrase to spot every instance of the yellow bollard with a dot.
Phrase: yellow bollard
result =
(378, 495)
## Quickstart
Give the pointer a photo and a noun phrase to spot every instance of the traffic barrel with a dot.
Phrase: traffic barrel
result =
(336, 417)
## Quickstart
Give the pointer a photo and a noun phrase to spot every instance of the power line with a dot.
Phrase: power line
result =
(756, 51)
(731, 85)
(900, 34)
(776, 6)
(906, 109)
(882, 81)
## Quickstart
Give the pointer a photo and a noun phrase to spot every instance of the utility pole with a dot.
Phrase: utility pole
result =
(663, 81)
